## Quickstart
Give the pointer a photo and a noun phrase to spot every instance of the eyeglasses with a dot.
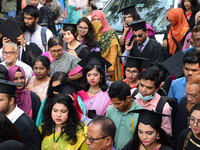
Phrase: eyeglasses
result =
(92, 140)
(192, 121)
(81, 28)
(10, 53)
(56, 51)
(139, 35)
(196, 40)
(192, 96)
(131, 72)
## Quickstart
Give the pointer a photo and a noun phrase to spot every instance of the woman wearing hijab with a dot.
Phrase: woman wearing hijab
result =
(109, 44)
(26, 100)
(178, 30)
(197, 18)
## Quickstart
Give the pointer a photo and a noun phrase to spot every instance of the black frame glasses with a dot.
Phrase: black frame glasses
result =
(192, 121)
(92, 139)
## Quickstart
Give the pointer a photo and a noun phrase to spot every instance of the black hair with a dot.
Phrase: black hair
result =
(108, 127)
(62, 77)
(102, 84)
(73, 124)
(120, 90)
(21, 25)
(152, 74)
(195, 107)
(194, 8)
(53, 41)
(44, 60)
(192, 57)
(162, 140)
(90, 36)
(8, 131)
(3, 72)
(73, 31)
(32, 11)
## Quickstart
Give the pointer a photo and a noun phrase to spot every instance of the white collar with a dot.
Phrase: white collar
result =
(15, 114)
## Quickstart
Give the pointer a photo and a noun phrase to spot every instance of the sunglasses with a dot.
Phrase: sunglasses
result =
(139, 35)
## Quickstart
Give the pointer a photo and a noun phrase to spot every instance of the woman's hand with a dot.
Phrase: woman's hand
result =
(126, 27)
(164, 44)
(76, 8)
(5, 40)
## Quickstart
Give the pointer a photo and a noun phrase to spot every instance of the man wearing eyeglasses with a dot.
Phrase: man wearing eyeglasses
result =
(192, 96)
(141, 46)
(101, 134)
(10, 55)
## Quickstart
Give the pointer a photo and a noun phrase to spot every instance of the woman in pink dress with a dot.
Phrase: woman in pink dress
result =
(94, 95)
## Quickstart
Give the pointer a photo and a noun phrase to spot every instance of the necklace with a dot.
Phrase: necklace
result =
(194, 143)
(94, 92)
(53, 146)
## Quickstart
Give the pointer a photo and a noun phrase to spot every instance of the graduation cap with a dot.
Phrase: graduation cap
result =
(127, 10)
(149, 117)
(8, 87)
(10, 29)
(67, 88)
(174, 64)
(135, 61)
(69, 26)
(137, 24)
(94, 58)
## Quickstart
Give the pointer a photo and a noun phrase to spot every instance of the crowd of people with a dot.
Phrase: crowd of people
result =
(90, 89)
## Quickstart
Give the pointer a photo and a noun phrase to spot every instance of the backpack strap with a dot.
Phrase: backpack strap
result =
(44, 37)
(161, 104)
(134, 93)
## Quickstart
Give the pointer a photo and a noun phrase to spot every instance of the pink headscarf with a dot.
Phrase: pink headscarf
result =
(23, 96)
(105, 25)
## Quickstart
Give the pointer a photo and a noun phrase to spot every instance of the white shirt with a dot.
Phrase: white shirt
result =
(36, 37)
(27, 69)
(15, 114)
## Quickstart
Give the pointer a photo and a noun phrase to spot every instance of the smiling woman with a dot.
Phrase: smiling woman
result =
(26, 100)
(191, 136)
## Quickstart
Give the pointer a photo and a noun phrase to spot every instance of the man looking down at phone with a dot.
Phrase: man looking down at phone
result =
(143, 46)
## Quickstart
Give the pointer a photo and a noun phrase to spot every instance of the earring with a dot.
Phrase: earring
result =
(158, 137)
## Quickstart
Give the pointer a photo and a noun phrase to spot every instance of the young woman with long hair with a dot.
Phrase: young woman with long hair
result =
(86, 34)
(61, 129)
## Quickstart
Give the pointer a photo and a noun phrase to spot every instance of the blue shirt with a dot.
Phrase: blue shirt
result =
(188, 49)
(177, 89)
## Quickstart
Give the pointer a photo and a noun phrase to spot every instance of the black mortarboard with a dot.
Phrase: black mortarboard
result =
(127, 10)
(8, 87)
(137, 25)
(69, 26)
(174, 64)
(149, 117)
(135, 61)
(67, 88)
(94, 58)
(10, 29)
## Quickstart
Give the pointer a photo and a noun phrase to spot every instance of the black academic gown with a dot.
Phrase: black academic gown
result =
(129, 146)
(35, 104)
(187, 144)
(12, 145)
(82, 50)
(153, 51)
(29, 132)
(181, 122)
(191, 21)
(31, 52)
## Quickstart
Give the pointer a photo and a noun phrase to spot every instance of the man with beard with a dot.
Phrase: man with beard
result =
(191, 66)
(34, 31)
(192, 96)
(21, 120)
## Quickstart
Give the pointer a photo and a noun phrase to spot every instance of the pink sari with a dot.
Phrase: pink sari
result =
(98, 102)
